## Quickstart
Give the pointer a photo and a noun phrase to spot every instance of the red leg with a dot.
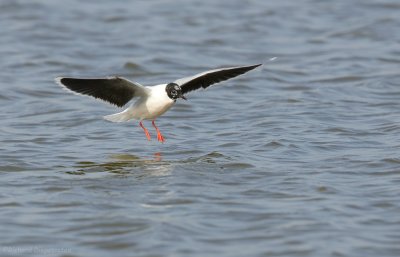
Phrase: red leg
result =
(145, 131)
(159, 135)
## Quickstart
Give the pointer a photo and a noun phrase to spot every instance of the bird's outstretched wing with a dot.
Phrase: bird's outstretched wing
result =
(114, 90)
(207, 78)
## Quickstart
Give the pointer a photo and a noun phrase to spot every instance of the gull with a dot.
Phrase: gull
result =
(152, 101)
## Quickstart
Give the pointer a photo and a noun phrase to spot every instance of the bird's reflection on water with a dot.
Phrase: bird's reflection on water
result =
(125, 164)
(154, 165)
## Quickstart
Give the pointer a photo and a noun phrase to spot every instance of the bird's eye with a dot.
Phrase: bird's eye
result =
(174, 92)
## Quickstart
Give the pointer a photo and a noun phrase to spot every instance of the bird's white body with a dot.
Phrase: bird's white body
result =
(154, 103)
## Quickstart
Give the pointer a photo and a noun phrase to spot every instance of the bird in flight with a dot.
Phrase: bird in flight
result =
(152, 101)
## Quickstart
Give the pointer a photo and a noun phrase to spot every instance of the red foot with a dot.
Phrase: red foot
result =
(160, 137)
(145, 131)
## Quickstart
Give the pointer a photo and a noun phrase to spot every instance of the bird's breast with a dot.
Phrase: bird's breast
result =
(157, 109)
(156, 106)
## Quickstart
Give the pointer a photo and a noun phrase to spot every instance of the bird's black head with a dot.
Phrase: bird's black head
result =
(174, 91)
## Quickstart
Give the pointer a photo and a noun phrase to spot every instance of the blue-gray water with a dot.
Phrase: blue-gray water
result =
(298, 158)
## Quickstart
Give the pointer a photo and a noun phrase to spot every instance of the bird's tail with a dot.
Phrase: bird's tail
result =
(118, 117)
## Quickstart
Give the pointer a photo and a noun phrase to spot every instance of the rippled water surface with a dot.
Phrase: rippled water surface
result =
(297, 158)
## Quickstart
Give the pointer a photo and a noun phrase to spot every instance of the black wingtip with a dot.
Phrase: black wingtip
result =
(58, 80)
(244, 69)
(251, 67)
(256, 65)
(62, 81)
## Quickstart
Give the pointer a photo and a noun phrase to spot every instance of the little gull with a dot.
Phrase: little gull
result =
(152, 101)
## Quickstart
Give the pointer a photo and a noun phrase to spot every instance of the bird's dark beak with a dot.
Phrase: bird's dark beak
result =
(183, 97)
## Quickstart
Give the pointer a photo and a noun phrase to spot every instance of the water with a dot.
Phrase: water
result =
(298, 158)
